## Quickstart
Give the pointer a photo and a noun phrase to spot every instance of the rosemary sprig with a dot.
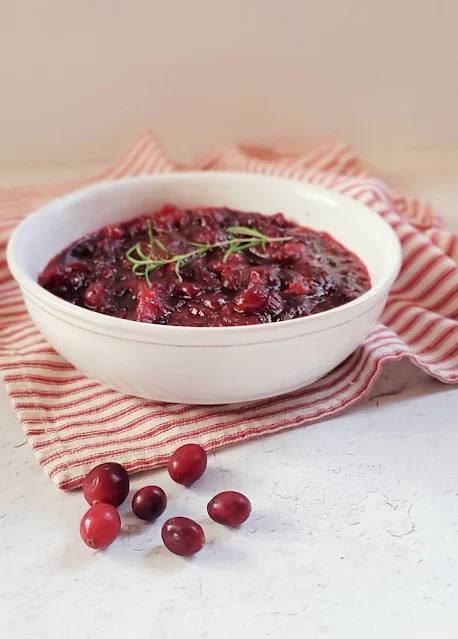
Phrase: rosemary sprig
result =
(241, 238)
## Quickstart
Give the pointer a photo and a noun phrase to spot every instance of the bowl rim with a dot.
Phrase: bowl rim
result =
(119, 325)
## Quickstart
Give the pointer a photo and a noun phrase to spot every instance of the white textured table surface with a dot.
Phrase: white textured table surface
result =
(353, 534)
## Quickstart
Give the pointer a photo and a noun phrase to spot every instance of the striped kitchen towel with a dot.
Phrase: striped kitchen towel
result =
(73, 422)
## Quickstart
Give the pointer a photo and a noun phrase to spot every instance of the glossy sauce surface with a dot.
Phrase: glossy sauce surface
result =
(305, 275)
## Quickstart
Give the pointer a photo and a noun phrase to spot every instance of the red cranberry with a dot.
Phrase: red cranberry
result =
(68, 275)
(95, 296)
(107, 483)
(109, 272)
(229, 508)
(76, 280)
(167, 209)
(100, 526)
(112, 232)
(170, 216)
(301, 286)
(234, 277)
(183, 536)
(187, 290)
(236, 259)
(252, 299)
(149, 503)
(258, 275)
(150, 307)
(187, 464)
(279, 219)
(137, 227)
(290, 252)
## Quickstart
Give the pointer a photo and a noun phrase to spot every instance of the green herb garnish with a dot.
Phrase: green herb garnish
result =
(241, 238)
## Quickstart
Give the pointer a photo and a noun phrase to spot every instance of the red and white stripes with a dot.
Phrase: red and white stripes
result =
(73, 423)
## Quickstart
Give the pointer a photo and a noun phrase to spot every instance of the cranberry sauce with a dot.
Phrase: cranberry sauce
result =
(308, 273)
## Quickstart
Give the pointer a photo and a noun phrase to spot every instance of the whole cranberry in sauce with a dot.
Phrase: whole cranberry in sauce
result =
(107, 483)
(187, 464)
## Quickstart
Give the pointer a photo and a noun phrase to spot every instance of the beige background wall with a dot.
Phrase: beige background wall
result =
(79, 78)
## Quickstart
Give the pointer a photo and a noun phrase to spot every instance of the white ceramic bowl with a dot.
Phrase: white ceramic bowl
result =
(203, 365)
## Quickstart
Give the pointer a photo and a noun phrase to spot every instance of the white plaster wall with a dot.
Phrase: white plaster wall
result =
(78, 79)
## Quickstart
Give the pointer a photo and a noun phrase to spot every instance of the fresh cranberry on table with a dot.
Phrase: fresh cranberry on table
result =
(187, 464)
(149, 503)
(183, 536)
(100, 526)
(107, 483)
(229, 508)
